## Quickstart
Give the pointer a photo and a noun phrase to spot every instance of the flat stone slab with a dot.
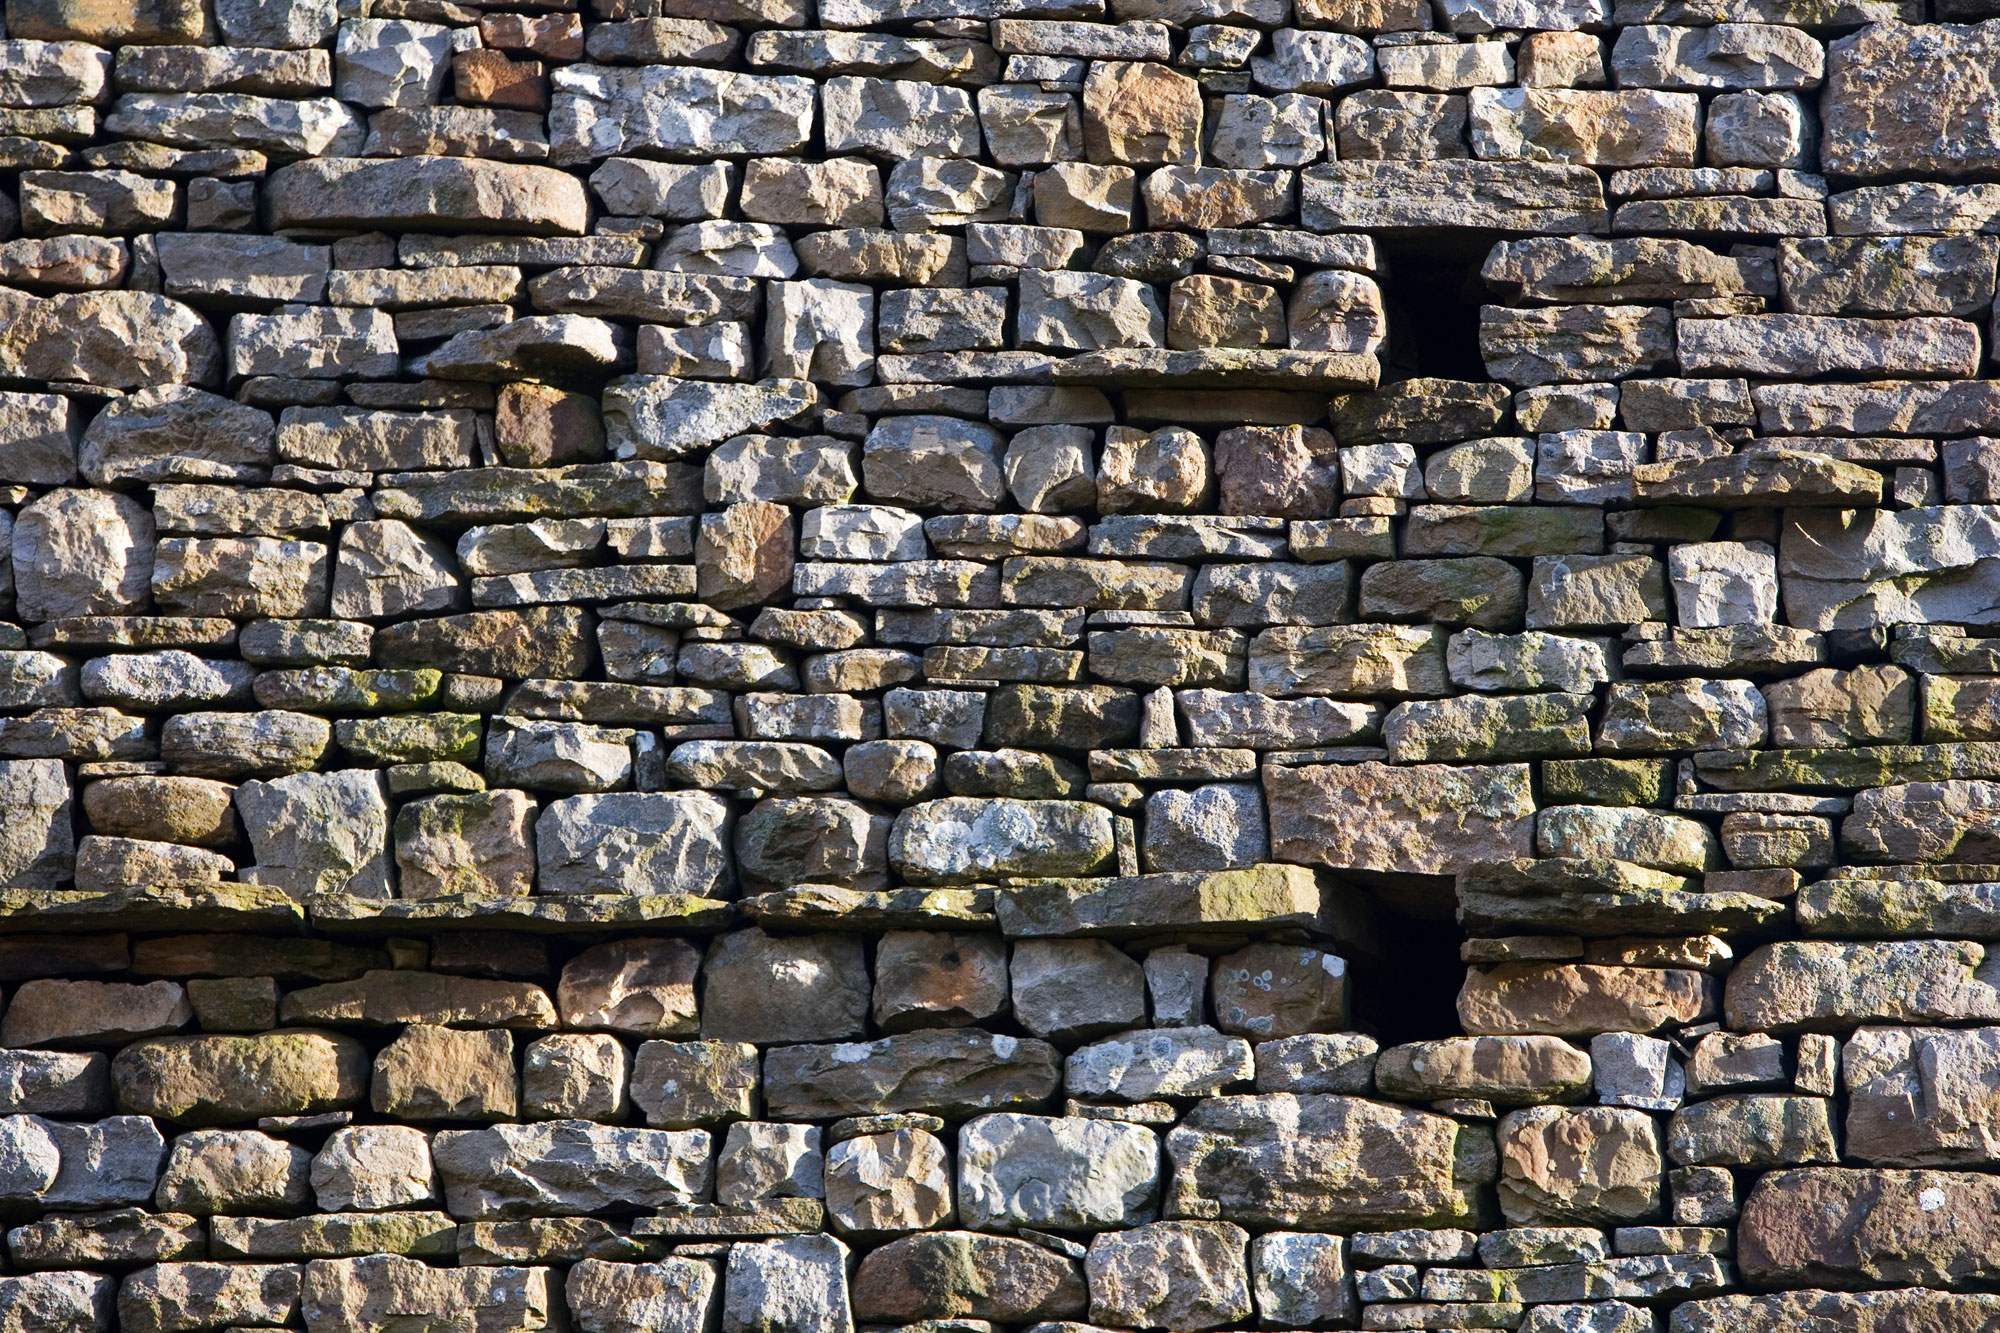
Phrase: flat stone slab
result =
(1263, 897)
(339, 913)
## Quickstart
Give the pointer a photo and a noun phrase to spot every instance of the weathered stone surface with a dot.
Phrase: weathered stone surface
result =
(567, 1167)
(225, 1079)
(898, 1181)
(416, 192)
(1371, 1165)
(373, 1167)
(1844, 1310)
(599, 111)
(1033, 1171)
(81, 553)
(1075, 988)
(1821, 986)
(1896, 100)
(318, 832)
(674, 1296)
(1920, 1096)
(436, 1073)
(225, 1171)
(386, 999)
(174, 1296)
(766, 988)
(1597, 129)
(1831, 1227)
(960, 839)
(177, 433)
(472, 844)
(1505, 1070)
(945, 1071)
(966, 1275)
(1579, 999)
(681, 1084)
(50, 1012)
(634, 843)
(1148, 1063)
(1424, 819)
(117, 339)
(796, 1283)
(37, 846)
(1592, 1165)
(377, 1292)
(900, 580)
(1170, 1274)
(644, 987)
(239, 121)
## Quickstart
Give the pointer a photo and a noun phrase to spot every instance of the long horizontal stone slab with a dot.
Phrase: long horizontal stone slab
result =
(341, 913)
(1525, 197)
(1846, 770)
(1899, 909)
(1262, 897)
(427, 193)
(208, 907)
(832, 907)
(1599, 897)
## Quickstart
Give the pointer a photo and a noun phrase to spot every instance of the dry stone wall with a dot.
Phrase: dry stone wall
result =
(779, 666)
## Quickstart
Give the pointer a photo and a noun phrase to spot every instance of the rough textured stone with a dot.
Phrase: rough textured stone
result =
(967, 1275)
(567, 1167)
(635, 843)
(1370, 1164)
(929, 598)
(224, 1079)
(1591, 1165)
(443, 192)
(1426, 819)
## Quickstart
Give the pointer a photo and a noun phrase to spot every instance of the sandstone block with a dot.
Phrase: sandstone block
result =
(1226, 1150)
(966, 1275)
(223, 1079)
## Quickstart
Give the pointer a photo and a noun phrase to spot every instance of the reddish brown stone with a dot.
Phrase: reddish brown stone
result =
(743, 555)
(555, 36)
(536, 426)
(1829, 1227)
(965, 1275)
(489, 78)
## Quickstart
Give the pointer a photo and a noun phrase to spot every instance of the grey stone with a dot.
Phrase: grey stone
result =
(899, 1180)
(644, 842)
(37, 845)
(1170, 1275)
(674, 1295)
(566, 1167)
(794, 1285)
(1067, 1174)
(318, 832)
(602, 111)
(765, 988)
(959, 839)
(1225, 1150)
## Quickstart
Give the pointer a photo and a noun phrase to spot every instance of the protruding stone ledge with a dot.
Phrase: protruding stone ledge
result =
(1600, 897)
(346, 914)
(202, 907)
(1263, 897)
(831, 907)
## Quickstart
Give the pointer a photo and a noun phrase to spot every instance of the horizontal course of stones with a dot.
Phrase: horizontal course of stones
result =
(779, 666)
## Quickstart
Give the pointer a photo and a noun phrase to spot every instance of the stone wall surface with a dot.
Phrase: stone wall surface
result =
(788, 666)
